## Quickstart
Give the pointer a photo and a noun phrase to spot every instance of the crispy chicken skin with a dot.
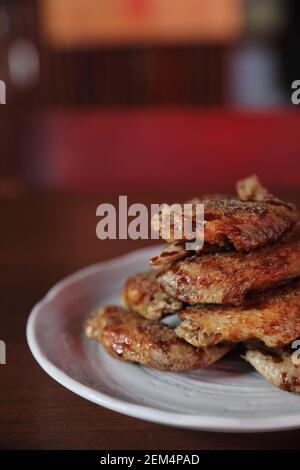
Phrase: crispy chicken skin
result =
(246, 224)
(129, 337)
(177, 250)
(272, 317)
(250, 189)
(169, 254)
(277, 367)
(225, 278)
(143, 294)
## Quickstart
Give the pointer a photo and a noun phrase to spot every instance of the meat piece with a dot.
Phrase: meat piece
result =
(176, 251)
(170, 253)
(272, 317)
(246, 225)
(250, 189)
(127, 336)
(225, 278)
(143, 294)
(168, 220)
(277, 367)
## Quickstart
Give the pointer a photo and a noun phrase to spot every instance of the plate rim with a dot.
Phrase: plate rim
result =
(147, 413)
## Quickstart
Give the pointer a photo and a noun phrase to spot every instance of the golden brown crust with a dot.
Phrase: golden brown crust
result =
(225, 278)
(143, 294)
(277, 367)
(246, 225)
(175, 251)
(250, 189)
(255, 221)
(272, 317)
(127, 336)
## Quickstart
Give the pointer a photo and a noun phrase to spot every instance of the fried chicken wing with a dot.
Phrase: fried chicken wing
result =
(127, 336)
(272, 317)
(177, 250)
(246, 224)
(277, 367)
(143, 294)
(250, 189)
(225, 278)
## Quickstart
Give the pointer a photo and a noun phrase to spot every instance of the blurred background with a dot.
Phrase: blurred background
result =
(160, 100)
(148, 95)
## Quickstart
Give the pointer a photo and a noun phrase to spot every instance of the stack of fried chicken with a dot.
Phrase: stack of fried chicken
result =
(242, 286)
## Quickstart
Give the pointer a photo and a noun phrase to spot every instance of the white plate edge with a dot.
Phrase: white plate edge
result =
(199, 422)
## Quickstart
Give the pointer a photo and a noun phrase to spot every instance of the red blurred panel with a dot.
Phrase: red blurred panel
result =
(172, 149)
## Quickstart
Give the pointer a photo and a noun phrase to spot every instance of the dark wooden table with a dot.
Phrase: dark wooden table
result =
(44, 238)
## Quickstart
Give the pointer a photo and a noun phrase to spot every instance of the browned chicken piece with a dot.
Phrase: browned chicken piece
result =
(129, 337)
(246, 225)
(225, 278)
(143, 294)
(279, 368)
(177, 250)
(272, 316)
(250, 189)
(169, 254)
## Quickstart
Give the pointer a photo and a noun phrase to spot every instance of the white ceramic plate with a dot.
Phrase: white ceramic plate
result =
(228, 396)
